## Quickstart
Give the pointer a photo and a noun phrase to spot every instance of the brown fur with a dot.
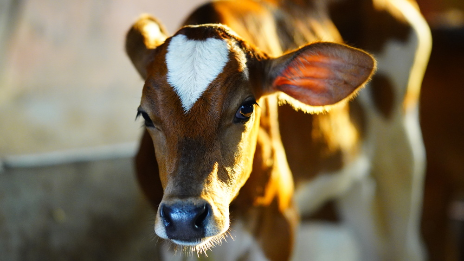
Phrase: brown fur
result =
(383, 95)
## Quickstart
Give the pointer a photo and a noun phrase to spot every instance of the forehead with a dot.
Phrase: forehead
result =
(195, 57)
(193, 64)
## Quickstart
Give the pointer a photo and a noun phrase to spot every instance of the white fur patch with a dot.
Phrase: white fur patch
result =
(193, 65)
(312, 194)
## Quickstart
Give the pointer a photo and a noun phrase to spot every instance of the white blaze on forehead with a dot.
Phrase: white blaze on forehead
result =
(193, 65)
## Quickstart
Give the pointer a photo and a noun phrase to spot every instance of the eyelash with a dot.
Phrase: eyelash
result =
(148, 122)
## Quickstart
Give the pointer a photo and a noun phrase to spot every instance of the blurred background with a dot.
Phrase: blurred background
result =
(68, 99)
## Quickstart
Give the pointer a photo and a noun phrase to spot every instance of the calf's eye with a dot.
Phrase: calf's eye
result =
(148, 122)
(245, 111)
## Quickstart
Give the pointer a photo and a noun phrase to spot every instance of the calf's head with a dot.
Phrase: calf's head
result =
(200, 105)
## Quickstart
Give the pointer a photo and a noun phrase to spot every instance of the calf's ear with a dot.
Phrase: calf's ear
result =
(142, 39)
(320, 74)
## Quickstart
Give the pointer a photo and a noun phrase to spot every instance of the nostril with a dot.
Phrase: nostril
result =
(199, 221)
(165, 217)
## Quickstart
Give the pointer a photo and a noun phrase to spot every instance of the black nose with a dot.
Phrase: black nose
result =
(184, 222)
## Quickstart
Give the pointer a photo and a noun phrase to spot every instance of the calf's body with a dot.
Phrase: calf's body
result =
(220, 155)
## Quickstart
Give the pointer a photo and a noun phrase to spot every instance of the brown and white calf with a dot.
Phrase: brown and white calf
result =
(220, 156)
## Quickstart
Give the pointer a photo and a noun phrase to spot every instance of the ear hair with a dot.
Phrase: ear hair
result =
(144, 36)
(297, 105)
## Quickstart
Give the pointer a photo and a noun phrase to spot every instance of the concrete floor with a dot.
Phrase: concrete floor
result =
(79, 211)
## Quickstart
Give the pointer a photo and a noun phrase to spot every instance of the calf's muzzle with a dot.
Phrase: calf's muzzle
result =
(185, 222)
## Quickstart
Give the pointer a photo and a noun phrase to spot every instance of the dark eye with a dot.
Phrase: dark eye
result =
(148, 121)
(245, 111)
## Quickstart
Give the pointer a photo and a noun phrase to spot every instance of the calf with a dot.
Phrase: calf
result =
(220, 156)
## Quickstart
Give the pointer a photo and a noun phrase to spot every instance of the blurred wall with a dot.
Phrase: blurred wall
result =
(65, 81)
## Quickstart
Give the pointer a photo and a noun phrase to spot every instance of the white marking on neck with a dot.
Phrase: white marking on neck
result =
(193, 65)
(310, 195)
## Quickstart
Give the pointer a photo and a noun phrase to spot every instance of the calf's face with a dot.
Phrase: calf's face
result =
(202, 115)
(200, 105)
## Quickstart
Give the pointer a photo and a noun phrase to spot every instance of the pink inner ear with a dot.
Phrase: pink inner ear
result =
(325, 77)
